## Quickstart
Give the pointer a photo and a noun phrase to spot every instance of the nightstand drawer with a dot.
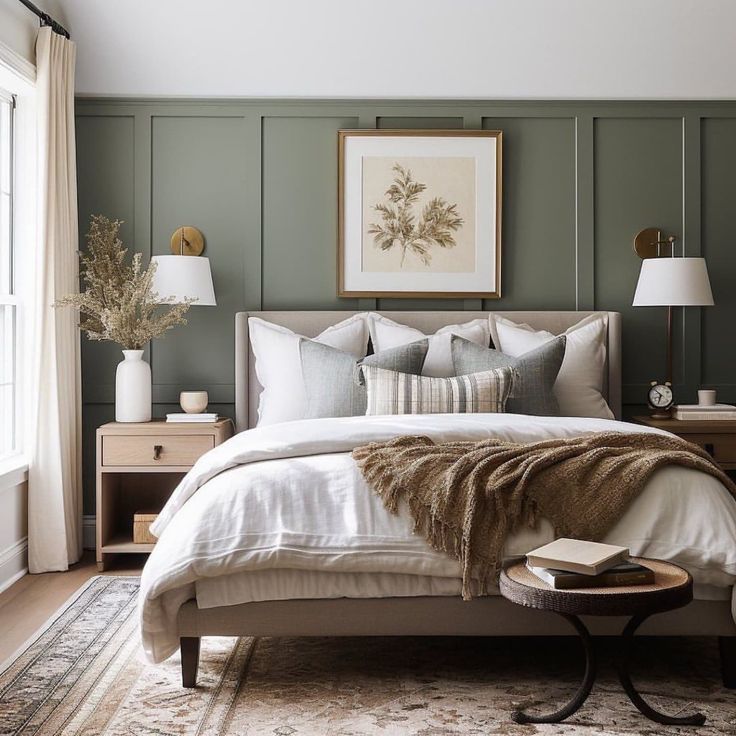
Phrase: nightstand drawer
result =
(155, 449)
(722, 447)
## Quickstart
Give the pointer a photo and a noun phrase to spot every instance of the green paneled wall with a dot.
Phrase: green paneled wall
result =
(637, 171)
(259, 178)
(719, 248)
(300, 212)
(204, 184)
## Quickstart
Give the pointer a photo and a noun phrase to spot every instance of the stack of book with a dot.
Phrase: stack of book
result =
(191, 417)
(573, 563)
(699, 413)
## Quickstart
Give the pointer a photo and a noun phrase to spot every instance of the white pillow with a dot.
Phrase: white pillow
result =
(387, 334)
(279, 368)
(579, 384)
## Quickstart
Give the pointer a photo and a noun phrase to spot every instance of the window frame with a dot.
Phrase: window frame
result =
(8, 295)
(18, 79)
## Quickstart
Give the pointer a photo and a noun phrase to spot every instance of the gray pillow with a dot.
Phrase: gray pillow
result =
(333, 382)
(536, 372)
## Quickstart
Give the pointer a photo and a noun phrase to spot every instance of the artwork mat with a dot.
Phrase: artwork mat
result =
(353, 145)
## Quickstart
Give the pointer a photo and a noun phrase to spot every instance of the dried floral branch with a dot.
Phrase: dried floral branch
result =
(118, 302)
(439, 220)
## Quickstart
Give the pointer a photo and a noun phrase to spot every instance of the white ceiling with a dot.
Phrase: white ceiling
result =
(636, 49)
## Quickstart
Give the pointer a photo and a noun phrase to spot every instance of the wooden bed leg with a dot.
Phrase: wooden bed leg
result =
(727, 648)
(189, 660)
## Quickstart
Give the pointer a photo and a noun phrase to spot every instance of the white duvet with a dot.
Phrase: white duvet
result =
(283, 512)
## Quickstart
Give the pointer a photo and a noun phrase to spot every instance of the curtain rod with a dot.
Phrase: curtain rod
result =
(46, 19)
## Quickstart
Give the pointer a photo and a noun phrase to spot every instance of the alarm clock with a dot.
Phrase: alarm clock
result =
(660, 398)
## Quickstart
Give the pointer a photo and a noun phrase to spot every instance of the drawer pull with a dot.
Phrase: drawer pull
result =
(710, 449)
(157, 451)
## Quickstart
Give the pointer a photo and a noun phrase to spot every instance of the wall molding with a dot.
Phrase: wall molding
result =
(368, 113)
(580, 179)
(18, 64)
(13, 563)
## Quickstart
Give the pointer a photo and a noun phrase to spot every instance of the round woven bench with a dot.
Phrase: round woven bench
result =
(672, 588)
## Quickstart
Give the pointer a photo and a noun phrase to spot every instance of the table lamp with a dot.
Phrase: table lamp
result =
(671, 281)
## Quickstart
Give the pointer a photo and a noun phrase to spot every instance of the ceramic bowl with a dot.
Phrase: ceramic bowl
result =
(193, 402)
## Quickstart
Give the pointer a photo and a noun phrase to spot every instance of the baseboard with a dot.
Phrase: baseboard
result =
(89, 538)
(13, 563)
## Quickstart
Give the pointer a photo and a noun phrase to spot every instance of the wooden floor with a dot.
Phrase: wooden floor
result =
(29, 603)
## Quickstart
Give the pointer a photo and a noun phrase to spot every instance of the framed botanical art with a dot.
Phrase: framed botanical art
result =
(419, 213)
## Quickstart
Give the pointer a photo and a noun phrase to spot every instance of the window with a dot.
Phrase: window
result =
(8, 303)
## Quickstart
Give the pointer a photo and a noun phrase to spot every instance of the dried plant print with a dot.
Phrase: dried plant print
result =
(418, 214)
(399, 227)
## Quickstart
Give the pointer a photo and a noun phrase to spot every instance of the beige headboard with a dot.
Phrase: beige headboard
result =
(310, 324)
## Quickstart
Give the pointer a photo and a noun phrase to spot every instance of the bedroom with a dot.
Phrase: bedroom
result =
(514, 247)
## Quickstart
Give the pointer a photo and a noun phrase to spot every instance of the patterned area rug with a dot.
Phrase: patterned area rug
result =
(84, 675)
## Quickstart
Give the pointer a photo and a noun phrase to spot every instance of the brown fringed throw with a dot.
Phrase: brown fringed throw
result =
(467, 497)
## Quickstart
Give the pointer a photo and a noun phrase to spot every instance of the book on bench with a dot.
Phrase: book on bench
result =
(625, 573)
(577, 555)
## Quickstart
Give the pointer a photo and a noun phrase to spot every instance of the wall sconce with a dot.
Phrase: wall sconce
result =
(186, 274)
(649, 243)
(666, 280)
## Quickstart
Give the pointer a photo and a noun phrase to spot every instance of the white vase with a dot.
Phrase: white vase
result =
(133, 388)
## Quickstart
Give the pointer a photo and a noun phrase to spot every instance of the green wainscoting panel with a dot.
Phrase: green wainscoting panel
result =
(638, 183)
(719, 249)
(538, 221)
(300, 213)
(423, 123)
(259, 178)
(198, 178)
(106, 185)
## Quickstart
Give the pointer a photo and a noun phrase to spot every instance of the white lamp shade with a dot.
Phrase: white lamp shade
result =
(184, 277)
(673, 282)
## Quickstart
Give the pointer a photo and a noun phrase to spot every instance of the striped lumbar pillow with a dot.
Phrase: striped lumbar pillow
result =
(391, 392)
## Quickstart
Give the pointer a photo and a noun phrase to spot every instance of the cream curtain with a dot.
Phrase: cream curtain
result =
(54, 476)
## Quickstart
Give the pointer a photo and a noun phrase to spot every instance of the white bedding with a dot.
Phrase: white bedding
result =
(282, 511)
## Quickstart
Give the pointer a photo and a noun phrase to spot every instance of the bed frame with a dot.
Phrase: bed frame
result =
(424, 616)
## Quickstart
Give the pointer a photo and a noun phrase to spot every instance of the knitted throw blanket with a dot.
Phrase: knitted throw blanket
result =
(467, 497)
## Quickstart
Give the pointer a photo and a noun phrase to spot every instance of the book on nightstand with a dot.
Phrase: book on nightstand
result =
(577, 555)
(625, 573)
(699, 413)
(191, 418)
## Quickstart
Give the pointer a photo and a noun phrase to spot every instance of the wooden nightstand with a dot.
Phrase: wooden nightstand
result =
(138, 466)
(716, 437)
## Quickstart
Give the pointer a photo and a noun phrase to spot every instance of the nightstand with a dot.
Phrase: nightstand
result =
(716, 437)
(138, 467)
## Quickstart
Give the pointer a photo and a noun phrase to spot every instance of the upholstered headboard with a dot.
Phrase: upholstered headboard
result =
(310, 324)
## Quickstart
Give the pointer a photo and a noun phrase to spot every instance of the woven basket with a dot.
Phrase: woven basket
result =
(142, 521)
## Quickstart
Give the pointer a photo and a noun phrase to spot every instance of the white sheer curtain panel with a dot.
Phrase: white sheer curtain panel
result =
(54, 476)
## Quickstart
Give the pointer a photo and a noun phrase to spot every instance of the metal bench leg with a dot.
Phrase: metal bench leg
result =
(696, 719)
(583, 691)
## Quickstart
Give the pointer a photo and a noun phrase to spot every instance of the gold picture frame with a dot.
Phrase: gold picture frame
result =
(433, 148)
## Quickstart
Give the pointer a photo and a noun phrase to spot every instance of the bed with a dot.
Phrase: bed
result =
(193, 606)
